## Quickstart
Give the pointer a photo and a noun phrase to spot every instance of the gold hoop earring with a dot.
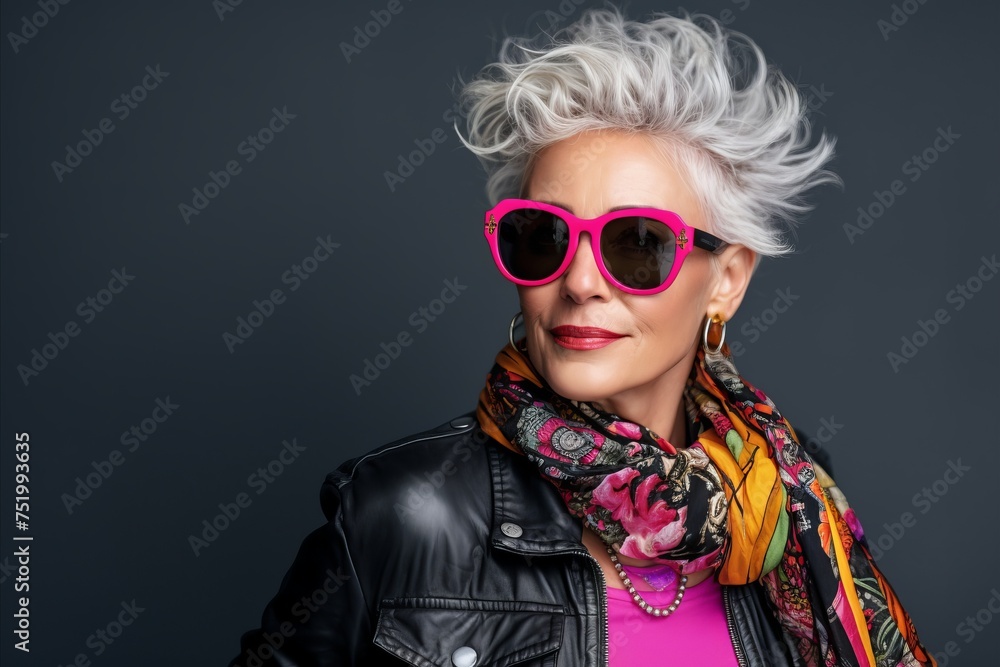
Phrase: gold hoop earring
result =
(510, 330)
(714, 319)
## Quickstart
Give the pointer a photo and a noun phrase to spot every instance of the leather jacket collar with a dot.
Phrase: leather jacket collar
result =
(522, 524)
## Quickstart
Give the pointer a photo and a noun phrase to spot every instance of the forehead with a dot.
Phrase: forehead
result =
(593, 173)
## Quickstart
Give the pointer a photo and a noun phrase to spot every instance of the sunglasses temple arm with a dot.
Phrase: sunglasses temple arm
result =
(708, 242)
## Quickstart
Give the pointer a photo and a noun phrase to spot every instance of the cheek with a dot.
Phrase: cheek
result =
(673, 316)
(667, 332)
(535, 301)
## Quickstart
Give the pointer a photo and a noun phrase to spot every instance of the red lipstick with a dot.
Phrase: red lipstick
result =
(583, 338)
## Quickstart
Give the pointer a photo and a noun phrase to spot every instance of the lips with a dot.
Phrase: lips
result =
(583, 338)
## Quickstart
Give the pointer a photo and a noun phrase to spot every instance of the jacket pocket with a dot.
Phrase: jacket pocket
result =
(427, 632)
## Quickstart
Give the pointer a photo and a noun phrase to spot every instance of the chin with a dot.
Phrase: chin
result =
(584, 383)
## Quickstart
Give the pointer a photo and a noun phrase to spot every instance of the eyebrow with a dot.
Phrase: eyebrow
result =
(610, 210)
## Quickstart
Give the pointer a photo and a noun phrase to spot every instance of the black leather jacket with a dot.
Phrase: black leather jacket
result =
(446, 548)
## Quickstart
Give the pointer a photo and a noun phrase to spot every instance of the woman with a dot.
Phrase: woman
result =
(621, 495)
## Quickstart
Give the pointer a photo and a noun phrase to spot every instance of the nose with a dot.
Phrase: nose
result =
(583, 279)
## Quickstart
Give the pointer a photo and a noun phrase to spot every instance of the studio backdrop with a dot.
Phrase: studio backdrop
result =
(241, 243)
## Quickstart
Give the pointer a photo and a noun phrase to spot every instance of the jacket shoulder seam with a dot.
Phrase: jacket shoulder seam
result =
(420, 437)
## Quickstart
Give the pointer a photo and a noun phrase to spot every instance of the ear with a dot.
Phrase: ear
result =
(734, 268)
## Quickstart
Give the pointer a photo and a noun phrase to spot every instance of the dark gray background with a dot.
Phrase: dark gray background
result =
(825, 358)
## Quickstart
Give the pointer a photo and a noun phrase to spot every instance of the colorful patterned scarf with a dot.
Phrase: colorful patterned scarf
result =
(745, 498)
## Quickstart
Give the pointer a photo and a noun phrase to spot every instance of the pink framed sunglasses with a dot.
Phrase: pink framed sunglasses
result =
(638, 250)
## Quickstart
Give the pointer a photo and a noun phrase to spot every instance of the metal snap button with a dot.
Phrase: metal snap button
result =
(464, 656)
(511, 529)
(462, 422)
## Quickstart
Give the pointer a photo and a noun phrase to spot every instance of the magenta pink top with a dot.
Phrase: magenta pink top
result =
(696, 634)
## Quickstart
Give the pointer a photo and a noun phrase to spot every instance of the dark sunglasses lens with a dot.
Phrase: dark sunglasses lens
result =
(532, 242)
(639, 252)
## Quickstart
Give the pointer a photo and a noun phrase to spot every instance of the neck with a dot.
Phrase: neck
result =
(645, 404)
(678, 428)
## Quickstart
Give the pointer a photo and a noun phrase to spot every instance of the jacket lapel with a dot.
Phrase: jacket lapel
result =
(529, 516)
